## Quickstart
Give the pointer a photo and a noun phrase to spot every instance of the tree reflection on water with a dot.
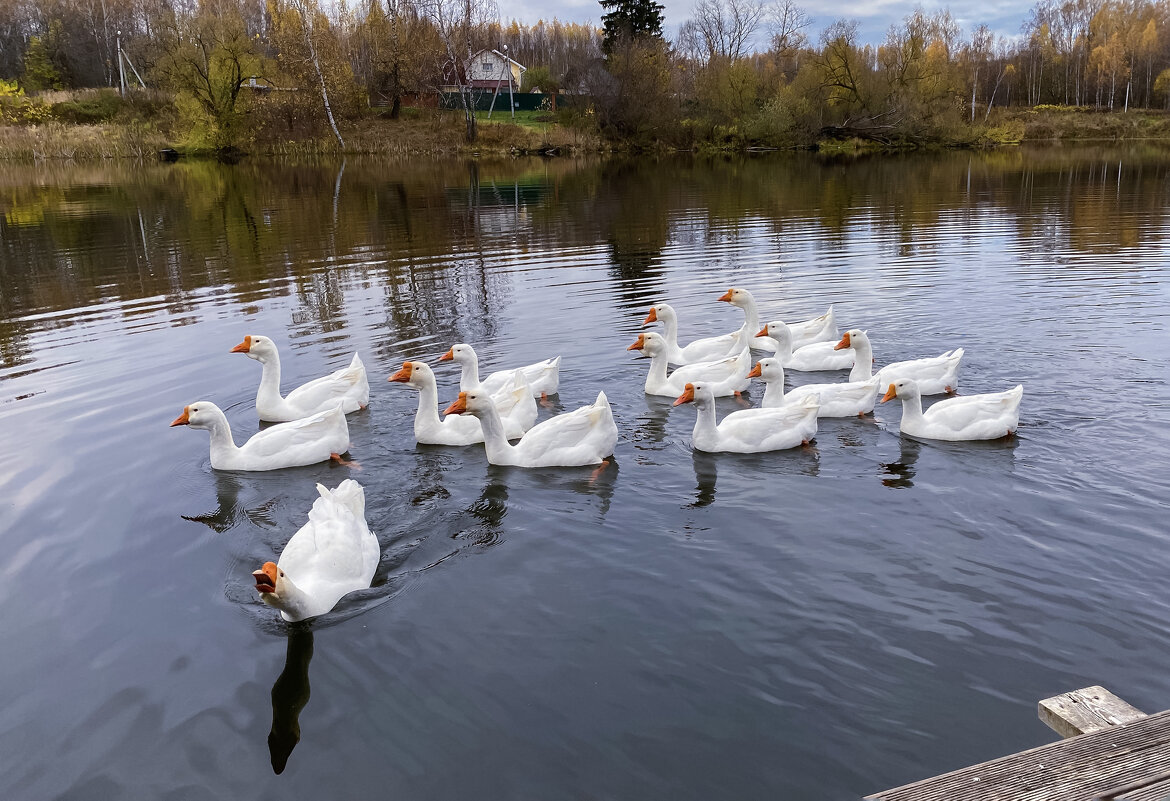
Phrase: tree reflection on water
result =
(433, 234)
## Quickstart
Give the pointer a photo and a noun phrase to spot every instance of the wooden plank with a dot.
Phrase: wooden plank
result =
(1077, 769)
(1158, 792)
(1155, 788)
(1085, 711)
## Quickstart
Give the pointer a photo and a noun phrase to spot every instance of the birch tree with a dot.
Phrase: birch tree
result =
(727, 27)
(310, 16)
(460, 23)
(979, 51)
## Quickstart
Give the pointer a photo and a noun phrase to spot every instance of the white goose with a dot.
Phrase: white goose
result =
(970, 417)
(934, 375)
(810, 358)
(329, 557)
(724, 377)
(581, 437)
(836, 400)
(701, 350)
(347, 386)
(818, 329)
(309, 440)
(749, 430)
(543, 377)
(514, 402)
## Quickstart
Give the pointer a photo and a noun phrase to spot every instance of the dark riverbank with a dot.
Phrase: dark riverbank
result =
(441, 134)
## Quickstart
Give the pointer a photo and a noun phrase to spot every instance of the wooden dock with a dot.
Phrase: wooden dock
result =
(1113, 752)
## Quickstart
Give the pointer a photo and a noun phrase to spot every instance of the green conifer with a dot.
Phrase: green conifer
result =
(630, 20)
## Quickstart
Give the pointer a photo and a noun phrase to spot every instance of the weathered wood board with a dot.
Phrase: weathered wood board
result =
(1082, 768)
(1085, 711)
(1155, 788)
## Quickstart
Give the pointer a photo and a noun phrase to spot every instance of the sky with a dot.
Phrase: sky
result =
(874, 17)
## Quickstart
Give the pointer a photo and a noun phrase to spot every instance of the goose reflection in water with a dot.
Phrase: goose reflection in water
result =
(804, 460)
(491, 507)
(900, 474)
(995, 456)
(290, 693)
(230, 511)
(706, 472)
(652, 425)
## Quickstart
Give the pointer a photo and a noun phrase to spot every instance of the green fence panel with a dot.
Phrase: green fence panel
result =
(523, 101)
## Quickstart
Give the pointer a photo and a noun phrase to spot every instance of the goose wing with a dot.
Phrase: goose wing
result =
(347, 382)
(325, 429)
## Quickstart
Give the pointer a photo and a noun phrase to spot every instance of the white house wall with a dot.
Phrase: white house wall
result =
(488, 66)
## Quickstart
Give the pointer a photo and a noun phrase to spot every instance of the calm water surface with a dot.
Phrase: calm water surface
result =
(812, 624)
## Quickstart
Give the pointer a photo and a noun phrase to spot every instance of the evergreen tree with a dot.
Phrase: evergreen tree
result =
(43, 67)
(629, 21)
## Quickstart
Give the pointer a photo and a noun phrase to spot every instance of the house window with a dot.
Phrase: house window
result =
(488, 66)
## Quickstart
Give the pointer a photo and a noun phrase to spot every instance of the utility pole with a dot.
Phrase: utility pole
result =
(496, 93)
(121, 71)
(508, 67)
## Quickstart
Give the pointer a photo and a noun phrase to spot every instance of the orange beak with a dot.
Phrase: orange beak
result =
(726, 296)
(403, 375)
(652, 317)
(844, 343)
(756, 372)
(641, 343)
(448, 356)
(763, 332)
(687, 396)
(459, 406)
(183, 419)
(243, 347)
(891, 393)
(265, 578)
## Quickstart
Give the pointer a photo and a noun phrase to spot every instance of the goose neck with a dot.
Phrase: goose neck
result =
(426, 418)
(269, 392)
(773, 393)
(656, 378)
(223, 445)
(751, 315)
(293, 602)
(469, 379)
(670, 329)
(705, 428)
(911, 407)
(862, 360)
(495, 442)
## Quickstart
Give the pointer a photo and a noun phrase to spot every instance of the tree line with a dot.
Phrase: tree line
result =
(742, 71)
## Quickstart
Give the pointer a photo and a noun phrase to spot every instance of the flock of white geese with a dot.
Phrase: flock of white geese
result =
(335, 553)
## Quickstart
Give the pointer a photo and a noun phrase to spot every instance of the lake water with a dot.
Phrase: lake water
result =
(811, 624)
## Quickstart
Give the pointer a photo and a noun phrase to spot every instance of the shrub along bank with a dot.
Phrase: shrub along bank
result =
(91, 124)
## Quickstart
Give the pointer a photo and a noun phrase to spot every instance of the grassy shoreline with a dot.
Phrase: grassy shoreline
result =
(428, 133)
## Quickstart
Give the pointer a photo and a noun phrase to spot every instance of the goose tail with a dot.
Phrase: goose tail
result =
(349, 494)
